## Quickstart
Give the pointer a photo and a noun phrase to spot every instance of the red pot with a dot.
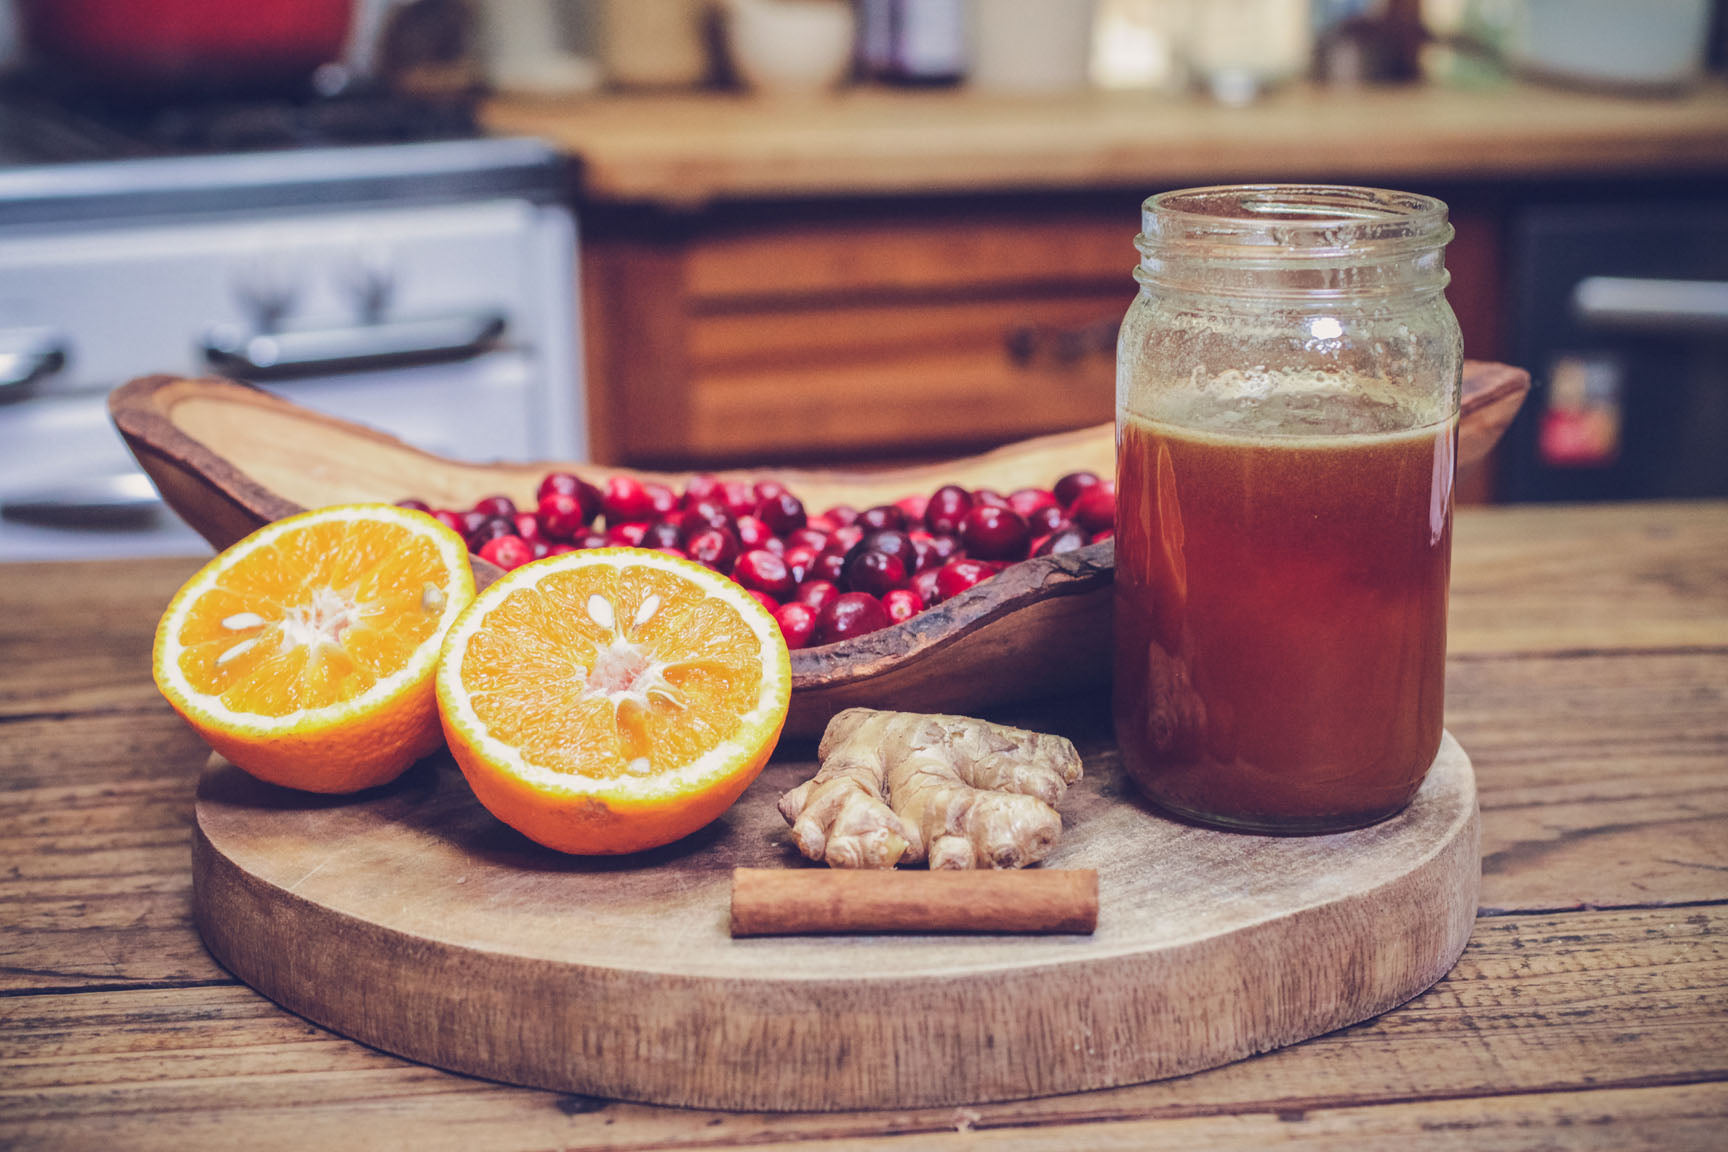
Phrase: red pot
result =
(177, 47)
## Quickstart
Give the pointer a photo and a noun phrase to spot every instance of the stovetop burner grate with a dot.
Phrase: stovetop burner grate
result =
(40, 128)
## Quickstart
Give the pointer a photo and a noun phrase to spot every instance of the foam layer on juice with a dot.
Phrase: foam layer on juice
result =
(1253, 404)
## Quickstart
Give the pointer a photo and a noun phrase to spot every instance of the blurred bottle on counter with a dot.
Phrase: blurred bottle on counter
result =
(917, 42)
(1368, 41)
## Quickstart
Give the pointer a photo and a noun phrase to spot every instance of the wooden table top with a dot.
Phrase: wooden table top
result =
(1589, 681)
(686, 150)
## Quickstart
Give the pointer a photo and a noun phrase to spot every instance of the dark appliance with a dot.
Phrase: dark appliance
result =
(1620, 311)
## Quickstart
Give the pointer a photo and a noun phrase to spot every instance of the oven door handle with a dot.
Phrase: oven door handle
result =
(1624, 304)
(26, 358)
(301, 352)
(116, 498)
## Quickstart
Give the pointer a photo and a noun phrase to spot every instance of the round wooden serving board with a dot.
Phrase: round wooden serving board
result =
(411, 920)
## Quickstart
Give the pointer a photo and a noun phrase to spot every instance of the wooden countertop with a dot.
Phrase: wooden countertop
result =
(1589, 681)
(685, 150)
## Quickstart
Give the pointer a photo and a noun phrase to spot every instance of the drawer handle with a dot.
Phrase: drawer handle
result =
(1064, 347)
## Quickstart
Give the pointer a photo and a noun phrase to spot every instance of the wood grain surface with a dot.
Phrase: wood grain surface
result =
(684, 151)
(1586, 1011)
(409, 918)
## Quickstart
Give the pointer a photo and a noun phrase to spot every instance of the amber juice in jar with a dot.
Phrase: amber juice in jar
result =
(1286, 436)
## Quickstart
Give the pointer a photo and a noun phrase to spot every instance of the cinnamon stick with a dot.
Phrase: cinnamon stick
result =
(810, 901)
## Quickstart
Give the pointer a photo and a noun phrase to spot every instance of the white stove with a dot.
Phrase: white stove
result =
(425, 289)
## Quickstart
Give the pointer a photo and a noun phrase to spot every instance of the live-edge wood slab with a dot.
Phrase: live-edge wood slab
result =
(411, 920)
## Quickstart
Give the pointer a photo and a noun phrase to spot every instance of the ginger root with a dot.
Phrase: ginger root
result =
(958, 792)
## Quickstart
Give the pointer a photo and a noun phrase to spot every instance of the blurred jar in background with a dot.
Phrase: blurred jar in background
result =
(1240, 48)
(1141, 44)
(1031, 45)
(655, 43)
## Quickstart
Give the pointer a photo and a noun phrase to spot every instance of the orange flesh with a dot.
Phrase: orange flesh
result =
(340, 611)
(549, 677)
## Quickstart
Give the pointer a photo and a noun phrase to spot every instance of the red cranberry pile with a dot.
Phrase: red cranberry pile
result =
(827, 577)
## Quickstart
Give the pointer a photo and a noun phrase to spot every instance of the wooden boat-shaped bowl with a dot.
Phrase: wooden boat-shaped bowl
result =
(230, 458)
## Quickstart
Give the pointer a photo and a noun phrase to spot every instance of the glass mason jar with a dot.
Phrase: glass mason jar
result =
(1287, 386)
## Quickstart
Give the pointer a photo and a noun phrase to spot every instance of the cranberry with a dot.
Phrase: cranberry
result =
(989, 498)
(827, 566)
(454, 521)
(842, 515)
(868, 570)
(562, 516)
(925, 584)
(990, 533)
(501, 506)
(956, 576)
(626, 535)
(882, 516)
(754, 533)
(943, 549)
(850, 614)
(893, 542)
(568, 484)
(1072, 486)
(913, 506)
(818, 594)
(765, 600)
(798, 559)
(762, 571)
(540, 548)
(528, 526)
(822, 523)
(1107, 534)
(560, 548)
(471, 521)
(1067, 539)
(714, 548)
(1096, 510)
(948, 506)
(843, 539)
(661, 498)
(1044, 521)
(507, 552)
(592, 540)
(902, 604)
(1026, 501)
(806, 538)
(414, 505)
(701, 487)
(783, 512)
(768, 489)
(739, 496)
(662, 534)
(704, 514)
(678, 552)
(625, 501)
(489, 530)
(797, 623)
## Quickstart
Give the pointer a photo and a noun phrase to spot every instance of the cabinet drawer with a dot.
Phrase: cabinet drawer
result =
(808, 259)
(883, 379)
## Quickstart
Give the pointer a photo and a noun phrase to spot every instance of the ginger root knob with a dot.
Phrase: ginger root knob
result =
(952, 790)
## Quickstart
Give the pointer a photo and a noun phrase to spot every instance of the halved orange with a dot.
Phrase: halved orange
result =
(613, 699)
(306, 653)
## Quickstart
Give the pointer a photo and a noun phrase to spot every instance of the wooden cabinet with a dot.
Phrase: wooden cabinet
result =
(824, 332)
(850, 332)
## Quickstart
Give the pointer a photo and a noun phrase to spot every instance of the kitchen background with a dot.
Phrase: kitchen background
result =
(682, 233)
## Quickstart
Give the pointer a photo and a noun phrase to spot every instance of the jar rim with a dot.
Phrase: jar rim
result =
(1300, 221)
